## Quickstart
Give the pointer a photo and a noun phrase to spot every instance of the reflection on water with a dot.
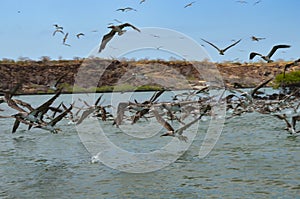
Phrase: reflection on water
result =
(253, 158)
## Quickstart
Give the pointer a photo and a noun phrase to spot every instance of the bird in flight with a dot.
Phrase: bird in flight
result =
(268, 57)
(115, 29)
(58, 27)
(79, 34)
(65, 39)
(222, 51)
(256, 2)
(142, 1)
(190, 4)
(257, 38)
(126, 9)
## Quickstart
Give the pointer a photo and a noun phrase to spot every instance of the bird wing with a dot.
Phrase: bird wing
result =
(16, 125)
(156, 95)
(162, 121)
(129, 25)
(260, 86)
(106, 38)
(85, 114)
(275, 48)
(65, 38)
(98, 100)
(44, 107)
(120, 113)
(253, 54)
(232, 45)
(180, 130)
(212, 45)
(60, 78)
(59, 117)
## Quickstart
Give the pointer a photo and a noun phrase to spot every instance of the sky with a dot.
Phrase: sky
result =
(27, 27)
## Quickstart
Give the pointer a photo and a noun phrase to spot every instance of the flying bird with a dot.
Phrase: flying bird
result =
(58, 27)
(257, 2)
(257, 38)
(58, 30)
(115, 29)
(79, 34)
(222, 51)
(268, 57)
(190, 4)
(142, 1)
(65, 39)
(126, 9)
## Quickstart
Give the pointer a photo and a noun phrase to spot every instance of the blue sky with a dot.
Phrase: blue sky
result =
(27, 26)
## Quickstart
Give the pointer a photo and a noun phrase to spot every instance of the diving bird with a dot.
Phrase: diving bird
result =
(115, 29)
(190, 4)
(268, 57)
(222, 51)
(256, 38)
(176, 133)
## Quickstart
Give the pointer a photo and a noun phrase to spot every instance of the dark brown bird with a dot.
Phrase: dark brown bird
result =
(222, 51)
(268, 57)
(257, 38)
(115, 29)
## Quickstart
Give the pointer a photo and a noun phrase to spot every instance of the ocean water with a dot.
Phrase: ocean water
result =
(253, 157)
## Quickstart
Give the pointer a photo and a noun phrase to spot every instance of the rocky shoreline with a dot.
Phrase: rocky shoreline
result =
(107, 75)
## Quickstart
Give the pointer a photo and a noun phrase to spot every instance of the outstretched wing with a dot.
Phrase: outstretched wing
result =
(212, 44)
(129, 25)
(162, 121)
(275, 48)
(253, 54)
(232, 45)
(106, 38)
(260, 86)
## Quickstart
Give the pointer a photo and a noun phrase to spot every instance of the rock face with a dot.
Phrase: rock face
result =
(37, 76)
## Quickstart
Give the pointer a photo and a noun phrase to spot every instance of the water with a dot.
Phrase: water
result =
(253, 158)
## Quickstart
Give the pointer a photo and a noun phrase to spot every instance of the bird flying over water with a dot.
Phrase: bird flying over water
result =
(268, 57)
(222, 51)
(115, 29)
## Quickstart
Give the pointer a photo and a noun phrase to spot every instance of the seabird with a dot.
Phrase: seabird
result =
(79, 34)
(257, 38)
(115, 29)
(190, 4)
(268, 57)
(58, 27)
(175, 133)
(222, 51)
(289, 127)
(126, 9)
(65, 39)
(58, 30)
(257, 2)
